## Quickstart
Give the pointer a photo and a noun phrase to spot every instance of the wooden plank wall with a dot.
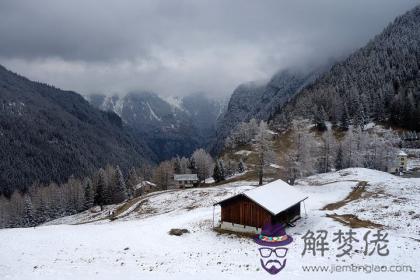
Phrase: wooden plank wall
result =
(241, 210)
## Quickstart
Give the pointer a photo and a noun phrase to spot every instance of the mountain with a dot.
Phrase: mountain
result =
(379, 82)
(47, 134)
(261, 100)
(170, 126)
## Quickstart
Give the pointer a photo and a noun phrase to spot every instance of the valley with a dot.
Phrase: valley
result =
(138, 244)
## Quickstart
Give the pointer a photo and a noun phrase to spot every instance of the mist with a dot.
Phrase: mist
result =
(175, 48)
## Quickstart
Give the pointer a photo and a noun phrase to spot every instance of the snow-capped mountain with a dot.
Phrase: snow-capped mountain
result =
(170, 125)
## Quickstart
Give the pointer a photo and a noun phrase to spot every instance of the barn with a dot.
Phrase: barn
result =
(276, 203)
(186, 180)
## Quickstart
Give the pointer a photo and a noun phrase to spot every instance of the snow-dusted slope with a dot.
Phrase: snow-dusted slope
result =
(138, 246)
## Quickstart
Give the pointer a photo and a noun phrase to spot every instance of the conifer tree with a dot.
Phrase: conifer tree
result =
(29, 217)
(339, 160)
(133, 180)
(119, 193)
(218, 175)
(241, 166)
(89, 193)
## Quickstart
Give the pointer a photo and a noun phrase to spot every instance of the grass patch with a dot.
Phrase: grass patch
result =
(250, 175)
(355, 194)
(121, 209)
(178, 231)
(353, 221)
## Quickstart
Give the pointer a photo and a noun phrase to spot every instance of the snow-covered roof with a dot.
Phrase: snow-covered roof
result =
(274, 197)
(185, 177)
(143, 184)
(402, 153)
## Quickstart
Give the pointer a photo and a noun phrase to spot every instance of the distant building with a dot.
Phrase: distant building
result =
(400, 163)
(186, 180)
(275, 203)
(143, 188)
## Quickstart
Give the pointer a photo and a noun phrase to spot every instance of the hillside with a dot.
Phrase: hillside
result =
(139, 244)
(261, 100)
(379, 82)
(47, 134)
(170, 126)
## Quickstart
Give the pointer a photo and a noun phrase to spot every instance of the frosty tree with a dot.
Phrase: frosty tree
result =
(203, 164)
(263, 147)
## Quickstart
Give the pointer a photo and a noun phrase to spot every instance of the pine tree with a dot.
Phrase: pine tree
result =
(241, 166)
(119, 190)
(132, 182)
(339, 160)
(344, 120)
(29, 217)
(177, 165)
(192, 166)
(320, 117)
(101, 194)
(89, 193)
(41, 215)
(360, 119)
(218, 173)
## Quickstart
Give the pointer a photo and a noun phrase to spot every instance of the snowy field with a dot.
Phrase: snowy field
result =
(138, 246)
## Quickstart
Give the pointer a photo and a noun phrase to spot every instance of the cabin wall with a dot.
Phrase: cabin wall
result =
(287, 215)
(243, 211)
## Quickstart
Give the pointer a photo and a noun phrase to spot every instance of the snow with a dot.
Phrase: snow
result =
(153, 112)
(402, 153)
(275, 166)
(185, 177)
(413, 163)
(369, 125)
(138, 246)
(243, 153)
(174, 102)
(144, 184)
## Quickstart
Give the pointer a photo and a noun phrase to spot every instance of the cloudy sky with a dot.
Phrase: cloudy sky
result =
(178, 47)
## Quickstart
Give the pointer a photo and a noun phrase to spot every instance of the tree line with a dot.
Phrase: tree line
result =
(321, 152)
(109, 185)
(200, 163)
(45, 202)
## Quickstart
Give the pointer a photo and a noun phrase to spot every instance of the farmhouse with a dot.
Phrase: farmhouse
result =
(399, 164)
(186, 180)
(275, 203)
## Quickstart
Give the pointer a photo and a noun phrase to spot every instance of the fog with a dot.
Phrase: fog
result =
(180, 47)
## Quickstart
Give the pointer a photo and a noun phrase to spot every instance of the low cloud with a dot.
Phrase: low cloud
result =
(180, 47)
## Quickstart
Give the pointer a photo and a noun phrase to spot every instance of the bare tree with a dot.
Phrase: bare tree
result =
(327, 151)
(263, 147)
(300, 160)
(203, 163)
(163, 175)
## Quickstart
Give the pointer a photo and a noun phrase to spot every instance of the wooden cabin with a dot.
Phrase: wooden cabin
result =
(249, 211)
